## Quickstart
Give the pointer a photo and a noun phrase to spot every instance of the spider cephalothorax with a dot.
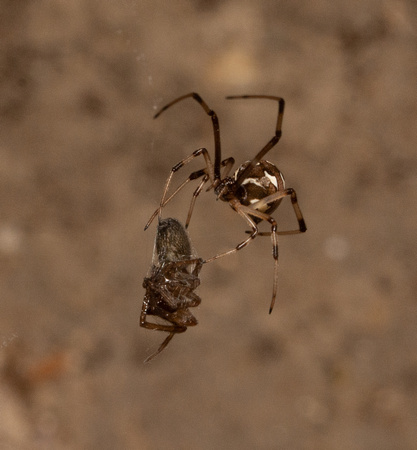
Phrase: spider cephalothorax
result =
(254, 192)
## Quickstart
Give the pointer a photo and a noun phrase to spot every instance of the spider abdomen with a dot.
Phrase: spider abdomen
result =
(263, 180)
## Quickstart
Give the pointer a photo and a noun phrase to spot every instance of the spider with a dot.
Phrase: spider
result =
(170, 285)
(254, 191)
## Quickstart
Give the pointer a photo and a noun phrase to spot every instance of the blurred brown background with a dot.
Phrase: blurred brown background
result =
(82, 169)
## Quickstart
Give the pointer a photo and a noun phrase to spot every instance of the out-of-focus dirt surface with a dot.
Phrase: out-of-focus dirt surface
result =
(82, 168)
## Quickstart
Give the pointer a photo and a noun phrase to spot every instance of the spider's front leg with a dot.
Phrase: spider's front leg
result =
(208, 171)
(227, 164)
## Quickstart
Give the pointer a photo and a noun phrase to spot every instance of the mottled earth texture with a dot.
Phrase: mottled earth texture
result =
(82, 168)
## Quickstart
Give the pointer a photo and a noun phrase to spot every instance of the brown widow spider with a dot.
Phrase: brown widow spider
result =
(254, 192)
(170, 285)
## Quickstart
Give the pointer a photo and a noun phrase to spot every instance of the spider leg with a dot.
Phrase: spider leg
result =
(214, 120)
(185, 316)
(246, 212)
(193, 176)
(183, 282)
(187, 319)
(240, 209)
(276, 196)
(161, 347)
(196, 193)
(272, 142)
(198, 266)
(228, 164)
(158, 326)
(198, 262)
(208, 170)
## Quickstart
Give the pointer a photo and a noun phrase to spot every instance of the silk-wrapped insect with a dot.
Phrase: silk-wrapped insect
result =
(171, 283)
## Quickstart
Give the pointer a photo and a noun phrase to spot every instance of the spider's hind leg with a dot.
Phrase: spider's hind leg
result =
(277, 196)
(248, 213)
